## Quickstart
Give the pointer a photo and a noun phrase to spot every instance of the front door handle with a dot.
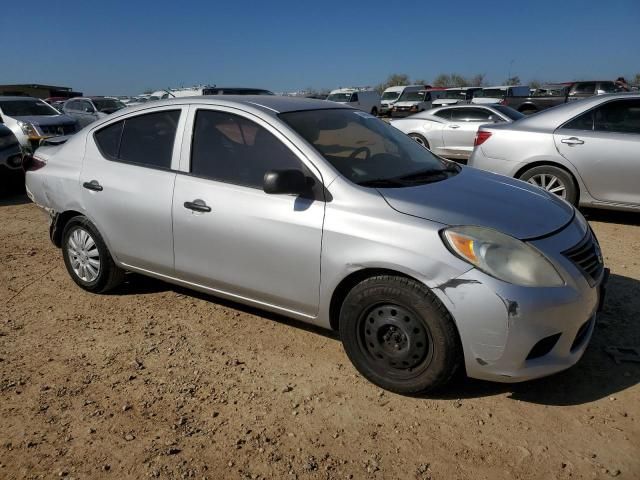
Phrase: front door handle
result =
(454, 126)
(572, 141)
(93, 185)
(197, 206)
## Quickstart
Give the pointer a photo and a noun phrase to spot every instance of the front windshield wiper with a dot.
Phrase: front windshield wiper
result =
(427, 174)
(382, 183)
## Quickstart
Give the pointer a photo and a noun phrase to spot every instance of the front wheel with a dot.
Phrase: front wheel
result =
(554, 180)
(87, 258)
(398, 335)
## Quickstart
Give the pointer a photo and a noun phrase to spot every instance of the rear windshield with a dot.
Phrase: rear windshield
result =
(107, 105)
(509, 112)
(24, 108)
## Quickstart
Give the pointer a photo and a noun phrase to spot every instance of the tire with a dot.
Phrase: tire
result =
(420, 139)
(374, 111)
(543, 176)
(528, 111)
(87, 258)
(398, 335)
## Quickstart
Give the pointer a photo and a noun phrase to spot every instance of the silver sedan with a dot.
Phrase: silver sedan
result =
(587, 151)
(450, 131)
(328, 215)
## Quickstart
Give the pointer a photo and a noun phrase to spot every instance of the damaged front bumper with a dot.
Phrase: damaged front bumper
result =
(511, 333)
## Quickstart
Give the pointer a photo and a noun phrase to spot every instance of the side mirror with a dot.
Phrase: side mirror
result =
(285, 182)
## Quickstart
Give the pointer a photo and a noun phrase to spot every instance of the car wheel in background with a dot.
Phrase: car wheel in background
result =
(87, 258)
(374, 111)
(554, 180)
(398, 335)
(420, 139)
(528, 111)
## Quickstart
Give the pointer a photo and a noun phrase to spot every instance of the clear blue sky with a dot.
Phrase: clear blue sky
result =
(117, 47)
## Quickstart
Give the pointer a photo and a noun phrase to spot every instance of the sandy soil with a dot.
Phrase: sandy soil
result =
(157, 381)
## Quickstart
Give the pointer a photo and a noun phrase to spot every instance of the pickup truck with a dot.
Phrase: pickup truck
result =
(552, 95)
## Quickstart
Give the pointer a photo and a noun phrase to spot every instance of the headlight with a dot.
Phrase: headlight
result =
(28, 129)
(501, 256)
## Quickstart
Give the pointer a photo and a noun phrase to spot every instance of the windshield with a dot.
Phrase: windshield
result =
(107, 105)
(366, 150)
(27, 107)
(492, 93)
(551, 91)
(412, 96)
(390, 95)
(512, 113)
(339, 97)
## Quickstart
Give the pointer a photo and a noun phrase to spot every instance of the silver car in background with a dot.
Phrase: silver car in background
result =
(586, 151)
(450, 131)
(326, 214)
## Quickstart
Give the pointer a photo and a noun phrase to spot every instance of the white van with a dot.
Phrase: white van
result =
(415, 100)
(391, 95)
(497, 94)
(362, 99)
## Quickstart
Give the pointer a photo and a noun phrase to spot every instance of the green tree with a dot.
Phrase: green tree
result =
(394, 80)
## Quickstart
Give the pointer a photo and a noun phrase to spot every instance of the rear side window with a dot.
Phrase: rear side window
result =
(446, 114)
(143, 140)
(582, 122)
(470, 115)
(354, 97)
(586, 87)
(231, 149)
(622, 116)
(108, 140)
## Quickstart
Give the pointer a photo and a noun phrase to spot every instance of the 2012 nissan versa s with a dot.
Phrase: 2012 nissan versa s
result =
(328, 215)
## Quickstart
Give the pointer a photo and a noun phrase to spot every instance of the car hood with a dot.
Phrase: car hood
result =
(47, 119)
(475, 197)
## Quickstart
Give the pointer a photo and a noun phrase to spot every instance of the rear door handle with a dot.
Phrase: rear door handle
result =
(197, 206)
(572, 141)
(93, 185)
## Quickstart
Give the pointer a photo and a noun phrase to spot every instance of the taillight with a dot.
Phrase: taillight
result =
(481, 137)
(31, 163)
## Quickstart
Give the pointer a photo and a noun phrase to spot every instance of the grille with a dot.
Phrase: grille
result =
(57, 129)
(587, 257)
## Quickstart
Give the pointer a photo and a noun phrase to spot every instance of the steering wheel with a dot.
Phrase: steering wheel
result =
(358, 151)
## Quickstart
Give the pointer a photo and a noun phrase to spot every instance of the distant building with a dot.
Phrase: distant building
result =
(38, 91)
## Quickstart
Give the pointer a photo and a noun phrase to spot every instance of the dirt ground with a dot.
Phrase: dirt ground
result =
(158, 381)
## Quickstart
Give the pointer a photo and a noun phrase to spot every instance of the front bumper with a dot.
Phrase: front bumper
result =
(511, 333)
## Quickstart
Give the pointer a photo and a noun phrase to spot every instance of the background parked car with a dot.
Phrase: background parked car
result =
(362, 99)
(456, 96)
(10, 150)
(584, 151)
(556, 94)
(87, 110)
(235, 91)
(450, 131)
(414, 101)
(31, 120)
(500, 93)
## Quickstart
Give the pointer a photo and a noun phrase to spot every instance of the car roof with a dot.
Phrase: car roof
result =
(271, 104)
(552, 117)
(18, 98)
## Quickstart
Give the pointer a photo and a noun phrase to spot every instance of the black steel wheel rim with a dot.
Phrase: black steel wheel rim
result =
(395, 340)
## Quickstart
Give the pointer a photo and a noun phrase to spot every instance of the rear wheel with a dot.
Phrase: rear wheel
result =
(554, 180)
(87, 258)
(420, 139)
(398, 335)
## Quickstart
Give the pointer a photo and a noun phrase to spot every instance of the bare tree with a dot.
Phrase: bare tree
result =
(477, 80)
(442, 80)
(513, 80)
(394, 80)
